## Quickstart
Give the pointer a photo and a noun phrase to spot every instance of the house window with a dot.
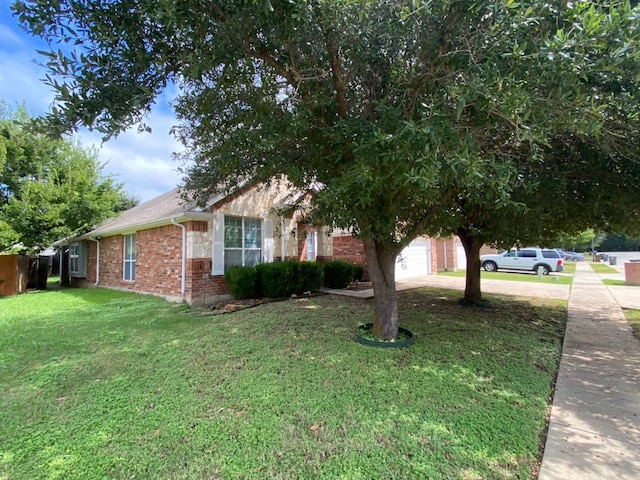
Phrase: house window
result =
(242, 241)
(312, 245)
(129, 258)
(78, 259)
(74, 258)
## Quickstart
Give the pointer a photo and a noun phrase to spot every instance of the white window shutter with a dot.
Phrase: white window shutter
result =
(267, 243)
(217, 255)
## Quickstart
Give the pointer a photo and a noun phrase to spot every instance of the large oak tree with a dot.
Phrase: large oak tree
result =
(396, 110)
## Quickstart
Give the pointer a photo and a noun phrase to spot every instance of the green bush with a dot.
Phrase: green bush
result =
(358, 272)
(275, 279)
(242, 282)
(338, 274)
(310, 276)
(281, 279)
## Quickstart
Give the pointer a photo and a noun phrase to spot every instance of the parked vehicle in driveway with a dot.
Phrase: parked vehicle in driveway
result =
(527, 259)
(569, 255)
(574, 256)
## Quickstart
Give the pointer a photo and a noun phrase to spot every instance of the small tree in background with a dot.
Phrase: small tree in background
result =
(49, 188)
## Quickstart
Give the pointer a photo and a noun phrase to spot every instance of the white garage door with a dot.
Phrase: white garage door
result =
(415, 260)
(462, 256)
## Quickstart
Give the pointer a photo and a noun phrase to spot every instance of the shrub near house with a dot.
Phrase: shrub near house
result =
(275, 280)
(339, 273)
(242, 282)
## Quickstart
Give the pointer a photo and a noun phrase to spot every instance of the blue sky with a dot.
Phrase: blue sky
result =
(142, 162)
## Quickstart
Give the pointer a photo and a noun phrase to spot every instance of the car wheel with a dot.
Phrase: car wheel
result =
(545, 269)
(490, 267)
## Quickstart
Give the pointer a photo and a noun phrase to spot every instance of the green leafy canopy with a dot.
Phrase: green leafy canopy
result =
(411, 117)
(49, 188)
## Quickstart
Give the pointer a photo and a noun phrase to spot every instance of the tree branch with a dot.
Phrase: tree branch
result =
(418, 228)
(338, 75)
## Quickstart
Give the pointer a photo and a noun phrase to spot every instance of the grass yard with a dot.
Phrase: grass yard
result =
(101, 384)
(569, 267)
(633, 317)
(602, 268)
(518, 277)
(620, 283)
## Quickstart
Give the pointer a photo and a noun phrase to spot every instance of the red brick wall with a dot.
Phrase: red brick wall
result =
(632, 272)
(92, 248)
(444, 249)
(205, 288)
(434, 255)
(111, 249)
(159, 260)
(202, 287)
(158, 266)
(350, 249)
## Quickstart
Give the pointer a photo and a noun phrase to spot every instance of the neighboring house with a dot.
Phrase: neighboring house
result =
(176, 250)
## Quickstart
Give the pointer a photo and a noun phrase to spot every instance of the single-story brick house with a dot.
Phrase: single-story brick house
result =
(173, 249)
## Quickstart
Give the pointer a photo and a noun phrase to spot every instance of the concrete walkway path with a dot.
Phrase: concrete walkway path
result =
(594, 431)
(524, 289)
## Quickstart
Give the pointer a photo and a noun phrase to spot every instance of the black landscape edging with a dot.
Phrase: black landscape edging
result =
(382, 343)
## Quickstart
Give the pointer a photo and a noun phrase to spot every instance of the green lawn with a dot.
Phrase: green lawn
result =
(570, 267)
(622, 283)
(633, 317)
(602, 268)
(518, 277)
(100, 384)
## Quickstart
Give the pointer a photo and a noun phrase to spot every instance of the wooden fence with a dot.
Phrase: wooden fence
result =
(14, 274)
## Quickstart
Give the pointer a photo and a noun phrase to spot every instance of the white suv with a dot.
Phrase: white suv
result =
(530, 259)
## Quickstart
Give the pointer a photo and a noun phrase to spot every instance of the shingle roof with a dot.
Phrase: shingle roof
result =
(155, 211)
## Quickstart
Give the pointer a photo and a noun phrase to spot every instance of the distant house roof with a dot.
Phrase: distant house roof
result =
(155, 212)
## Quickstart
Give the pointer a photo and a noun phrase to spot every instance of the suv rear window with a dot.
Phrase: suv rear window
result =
(550, 254)
(527, 254)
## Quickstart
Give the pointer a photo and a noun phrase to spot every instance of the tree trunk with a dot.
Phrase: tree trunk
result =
(472, 246)
(381, 262)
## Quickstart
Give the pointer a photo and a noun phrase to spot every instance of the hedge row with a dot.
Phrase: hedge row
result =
(339, 273)
(282, 279)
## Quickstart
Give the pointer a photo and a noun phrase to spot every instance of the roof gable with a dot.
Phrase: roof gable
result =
(170, 206)
(159, 210)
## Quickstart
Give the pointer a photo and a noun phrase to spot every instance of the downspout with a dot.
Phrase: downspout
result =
(183, 288)
(282, 240)
(97, 240)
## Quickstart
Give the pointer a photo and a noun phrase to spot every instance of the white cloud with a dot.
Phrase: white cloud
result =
(142, 161)
(20, 81)
(9, 37)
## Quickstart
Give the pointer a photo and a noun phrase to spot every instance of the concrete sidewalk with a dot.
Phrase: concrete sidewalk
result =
(520, 289)
(502, 287)
(594, 431)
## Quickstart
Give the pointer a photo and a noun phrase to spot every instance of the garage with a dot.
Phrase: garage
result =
(414, 260)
